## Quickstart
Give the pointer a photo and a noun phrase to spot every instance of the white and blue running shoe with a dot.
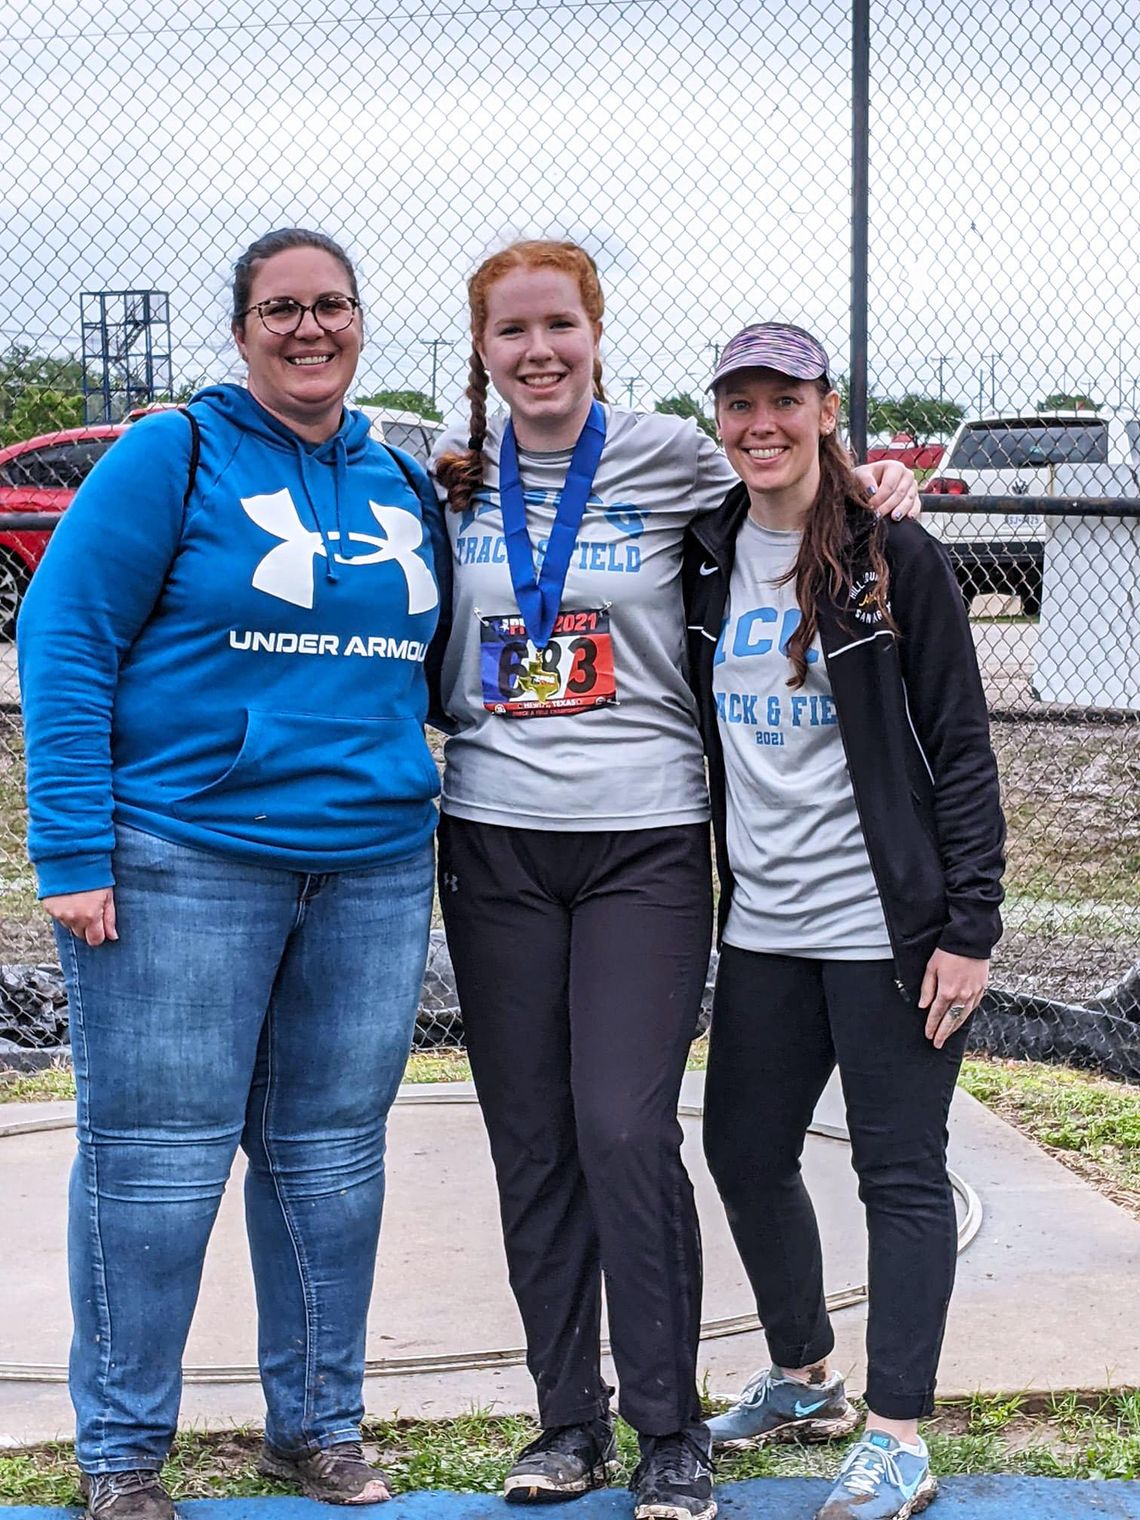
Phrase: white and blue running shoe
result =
(881, 1480)
(778, 1408)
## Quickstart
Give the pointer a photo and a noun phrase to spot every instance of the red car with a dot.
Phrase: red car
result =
(41, 475)
(907, 450)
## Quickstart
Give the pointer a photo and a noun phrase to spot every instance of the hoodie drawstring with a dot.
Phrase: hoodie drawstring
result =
(340, 487)
(348, 445)
(331, 572)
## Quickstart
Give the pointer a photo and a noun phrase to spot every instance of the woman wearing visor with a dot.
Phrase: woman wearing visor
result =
(859, 844)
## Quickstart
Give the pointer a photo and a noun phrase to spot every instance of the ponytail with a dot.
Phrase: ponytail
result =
(825, 547)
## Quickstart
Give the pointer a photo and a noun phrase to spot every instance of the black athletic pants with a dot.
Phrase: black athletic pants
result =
(580, 960)
(780, 1025)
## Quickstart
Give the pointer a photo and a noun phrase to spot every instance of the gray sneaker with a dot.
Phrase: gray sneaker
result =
(339, 1474)
(777, 1408)
(134, 1495)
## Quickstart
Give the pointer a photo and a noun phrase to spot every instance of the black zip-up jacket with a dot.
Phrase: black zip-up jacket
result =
(914, 725)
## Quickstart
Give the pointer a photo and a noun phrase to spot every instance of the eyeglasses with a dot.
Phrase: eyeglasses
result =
(282, 315)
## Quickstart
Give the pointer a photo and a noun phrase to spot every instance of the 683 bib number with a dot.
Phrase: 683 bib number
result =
(574, 672)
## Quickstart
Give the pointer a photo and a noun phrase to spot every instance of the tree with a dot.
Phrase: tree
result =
(403, 401)
(1062, 401)
(923, 417)
(38, 393)
(685, 406)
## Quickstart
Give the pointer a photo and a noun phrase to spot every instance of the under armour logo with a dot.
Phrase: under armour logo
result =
(449, 880)
(287, 571)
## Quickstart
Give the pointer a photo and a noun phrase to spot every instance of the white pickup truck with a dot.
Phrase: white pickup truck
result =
(409, 431)
(1019, 456)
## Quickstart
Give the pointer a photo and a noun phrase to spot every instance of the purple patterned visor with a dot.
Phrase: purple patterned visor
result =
(772, 345)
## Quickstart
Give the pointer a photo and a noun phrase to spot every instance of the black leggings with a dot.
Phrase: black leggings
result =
(580, 959)
(780, 1025)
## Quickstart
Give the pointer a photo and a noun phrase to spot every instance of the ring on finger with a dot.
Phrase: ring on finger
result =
(956, 1012)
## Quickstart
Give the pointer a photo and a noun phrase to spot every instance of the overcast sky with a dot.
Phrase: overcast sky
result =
(701, 150)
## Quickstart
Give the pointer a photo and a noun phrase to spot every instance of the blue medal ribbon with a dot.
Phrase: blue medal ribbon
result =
(540, 597)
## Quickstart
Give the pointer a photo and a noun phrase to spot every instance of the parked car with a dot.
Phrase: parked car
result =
(40, 475)
(1018, 456)
(409, 431)
(43, 474)
(907, 450)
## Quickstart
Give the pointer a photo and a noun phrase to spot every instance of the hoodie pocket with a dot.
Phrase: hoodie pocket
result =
(301, 781)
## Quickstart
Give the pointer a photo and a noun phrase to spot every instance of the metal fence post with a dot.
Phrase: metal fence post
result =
(860, 217)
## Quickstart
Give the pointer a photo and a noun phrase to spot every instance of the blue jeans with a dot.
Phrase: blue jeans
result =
(241, 1005)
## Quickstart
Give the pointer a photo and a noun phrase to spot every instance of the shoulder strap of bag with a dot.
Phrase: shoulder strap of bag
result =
(195, 453)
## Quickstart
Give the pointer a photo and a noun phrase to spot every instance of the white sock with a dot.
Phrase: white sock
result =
(797, 1377)
(918, 1449)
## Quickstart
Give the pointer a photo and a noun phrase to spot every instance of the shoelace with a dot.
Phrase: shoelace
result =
(670, 1457)
(866, 1468)
(756, 1389)
(133, 1482)
(564, 1439)
(351, 1451)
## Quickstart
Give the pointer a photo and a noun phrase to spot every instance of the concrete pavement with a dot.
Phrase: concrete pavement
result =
(1046, 1296)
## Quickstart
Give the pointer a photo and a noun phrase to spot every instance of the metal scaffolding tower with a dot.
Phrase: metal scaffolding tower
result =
(126, 351)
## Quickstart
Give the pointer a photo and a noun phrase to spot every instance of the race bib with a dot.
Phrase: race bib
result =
(574, 672)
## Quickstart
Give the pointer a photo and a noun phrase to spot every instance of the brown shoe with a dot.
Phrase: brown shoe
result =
(135, 1495)
(337, 1475)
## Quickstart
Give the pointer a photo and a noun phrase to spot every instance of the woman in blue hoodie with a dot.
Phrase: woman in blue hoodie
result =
(231, 811)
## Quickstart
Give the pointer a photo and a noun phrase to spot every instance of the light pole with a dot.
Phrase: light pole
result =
(434, 345)
(940, 360)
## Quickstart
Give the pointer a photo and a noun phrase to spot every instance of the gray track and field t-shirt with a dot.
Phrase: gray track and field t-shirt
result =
(803, 879)
(630, 755)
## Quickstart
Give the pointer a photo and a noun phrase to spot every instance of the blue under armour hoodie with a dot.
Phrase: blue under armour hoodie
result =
(243, 673)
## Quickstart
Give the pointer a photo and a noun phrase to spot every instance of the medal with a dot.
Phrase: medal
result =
(540, 597)
(538, 682)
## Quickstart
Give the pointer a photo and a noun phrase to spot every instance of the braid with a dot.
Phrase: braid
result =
(477, 387)
(599, 388)
(460, 473)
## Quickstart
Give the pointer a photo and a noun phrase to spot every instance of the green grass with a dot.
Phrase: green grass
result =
(1073, 827)
(54, 1084)
(1090, 1123)
(438, 1066)
(57, 1082)
(25, 934)
(1063, 1437)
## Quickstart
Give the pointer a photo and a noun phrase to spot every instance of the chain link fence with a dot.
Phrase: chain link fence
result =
(704, 153)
